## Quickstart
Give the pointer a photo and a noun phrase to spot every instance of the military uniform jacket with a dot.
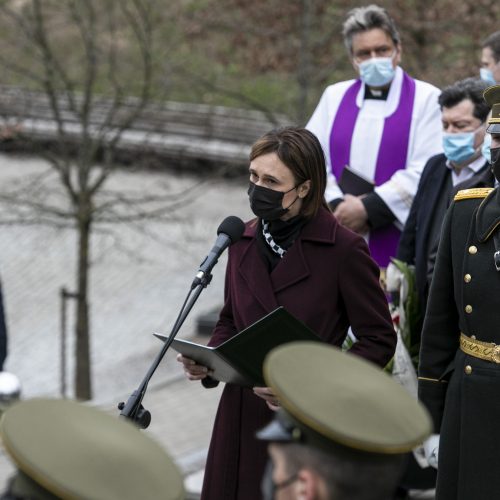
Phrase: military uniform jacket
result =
(462, 392)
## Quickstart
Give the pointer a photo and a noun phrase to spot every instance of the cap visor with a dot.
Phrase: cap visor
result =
(493, 128)
(274, 431)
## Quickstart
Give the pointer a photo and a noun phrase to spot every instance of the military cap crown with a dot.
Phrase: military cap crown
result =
(337, 397)
(68, 450)
(492, 97)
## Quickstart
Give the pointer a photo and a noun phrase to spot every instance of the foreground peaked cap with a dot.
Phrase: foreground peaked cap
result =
(64, 449)
(492, 97)
(331, 397)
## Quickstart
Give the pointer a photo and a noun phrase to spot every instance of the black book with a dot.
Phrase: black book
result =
(353, 183)
(240, 359)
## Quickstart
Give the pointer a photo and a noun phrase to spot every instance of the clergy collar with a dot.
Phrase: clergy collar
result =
(377, 94)
(392, 101)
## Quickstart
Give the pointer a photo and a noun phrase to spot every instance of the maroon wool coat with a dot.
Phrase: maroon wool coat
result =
(328, 280)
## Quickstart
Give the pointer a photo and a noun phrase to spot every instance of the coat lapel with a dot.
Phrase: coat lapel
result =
(488, 216)
(253, 270)
(292, 269)
(436, 184)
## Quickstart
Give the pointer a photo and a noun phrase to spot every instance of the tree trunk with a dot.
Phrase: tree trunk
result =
(83, 384)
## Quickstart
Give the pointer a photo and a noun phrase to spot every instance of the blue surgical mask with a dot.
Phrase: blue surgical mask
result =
(487, 75)
(459, 147)
(377, 71)
(485, 148)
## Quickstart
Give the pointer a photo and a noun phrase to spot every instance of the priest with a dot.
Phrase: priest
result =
(383, 126)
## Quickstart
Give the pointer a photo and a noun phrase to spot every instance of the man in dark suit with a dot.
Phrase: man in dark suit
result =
(464, 114)
(459, 371)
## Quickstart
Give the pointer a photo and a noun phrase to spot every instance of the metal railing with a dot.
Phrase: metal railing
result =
(180, 131)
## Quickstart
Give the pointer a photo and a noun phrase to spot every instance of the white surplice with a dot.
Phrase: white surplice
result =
(425, 138)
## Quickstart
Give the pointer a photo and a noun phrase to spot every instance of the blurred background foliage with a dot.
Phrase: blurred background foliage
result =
(264, 54)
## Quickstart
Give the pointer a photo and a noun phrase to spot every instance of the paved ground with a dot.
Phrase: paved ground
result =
(139, 279)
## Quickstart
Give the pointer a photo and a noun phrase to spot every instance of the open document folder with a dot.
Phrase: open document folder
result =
(239, 360)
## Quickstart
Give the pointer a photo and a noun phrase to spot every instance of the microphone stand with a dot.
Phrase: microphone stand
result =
(133, 409)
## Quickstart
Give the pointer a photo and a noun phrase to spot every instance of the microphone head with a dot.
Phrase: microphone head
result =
(233, 227)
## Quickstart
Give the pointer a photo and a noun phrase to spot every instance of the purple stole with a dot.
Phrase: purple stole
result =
(392, 154)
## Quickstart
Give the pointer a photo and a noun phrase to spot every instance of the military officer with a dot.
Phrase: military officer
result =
(66, 450)
(459, 371)
(341, 429)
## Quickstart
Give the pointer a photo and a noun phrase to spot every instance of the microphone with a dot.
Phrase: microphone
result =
(229, 232)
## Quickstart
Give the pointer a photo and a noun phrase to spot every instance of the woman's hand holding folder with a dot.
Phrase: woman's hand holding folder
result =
(267, 394)
(192, 369)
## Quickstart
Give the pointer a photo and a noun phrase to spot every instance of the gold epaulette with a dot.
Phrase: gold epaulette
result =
(467, 194)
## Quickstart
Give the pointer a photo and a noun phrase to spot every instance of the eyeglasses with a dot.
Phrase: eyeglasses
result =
(383, 51)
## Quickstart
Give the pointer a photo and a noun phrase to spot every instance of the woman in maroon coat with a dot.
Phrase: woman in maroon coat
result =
(294, 254)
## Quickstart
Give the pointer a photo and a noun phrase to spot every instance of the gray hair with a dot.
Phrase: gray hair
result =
(367, 18)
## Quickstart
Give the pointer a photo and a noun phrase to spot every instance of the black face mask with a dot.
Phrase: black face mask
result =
(495, 162)
(267, 203)
(268, 487)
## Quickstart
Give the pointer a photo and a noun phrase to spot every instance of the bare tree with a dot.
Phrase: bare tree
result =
(84, 57)
(289, 42)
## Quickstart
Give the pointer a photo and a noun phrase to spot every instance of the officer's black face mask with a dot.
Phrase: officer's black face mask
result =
(268, 487)
(495, 162)
(267, 203)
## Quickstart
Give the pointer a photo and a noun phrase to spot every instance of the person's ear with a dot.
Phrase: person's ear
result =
(304, 189)
(306, 487)
(399, 52)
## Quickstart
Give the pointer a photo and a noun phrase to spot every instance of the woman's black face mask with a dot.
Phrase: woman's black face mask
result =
(267, 203)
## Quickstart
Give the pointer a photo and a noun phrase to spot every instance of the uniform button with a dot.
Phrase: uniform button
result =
(467, 278)
(473, 337)
(468, 369)
(468, 308)
(472, 249)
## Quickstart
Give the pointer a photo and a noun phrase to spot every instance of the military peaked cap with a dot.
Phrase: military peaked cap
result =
(330, 397)
(492, 97)
(67, 450)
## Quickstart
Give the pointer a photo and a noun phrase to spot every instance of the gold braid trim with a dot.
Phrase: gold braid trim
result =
(433, 380)
(467, 194)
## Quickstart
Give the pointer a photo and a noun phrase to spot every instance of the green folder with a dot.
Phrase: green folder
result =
(239, 360)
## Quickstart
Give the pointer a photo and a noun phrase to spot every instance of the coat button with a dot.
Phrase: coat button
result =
(473, 337)
(472, 249)
(467, 278)
(468, 369)
(468, 308)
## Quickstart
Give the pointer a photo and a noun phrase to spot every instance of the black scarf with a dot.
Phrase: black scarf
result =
(284, 233)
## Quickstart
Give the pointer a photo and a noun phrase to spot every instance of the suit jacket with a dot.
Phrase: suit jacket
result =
(328, 280)
(415, 246)
(461, 391)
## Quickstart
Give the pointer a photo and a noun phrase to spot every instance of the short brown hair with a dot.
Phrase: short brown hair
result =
(301, 152)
